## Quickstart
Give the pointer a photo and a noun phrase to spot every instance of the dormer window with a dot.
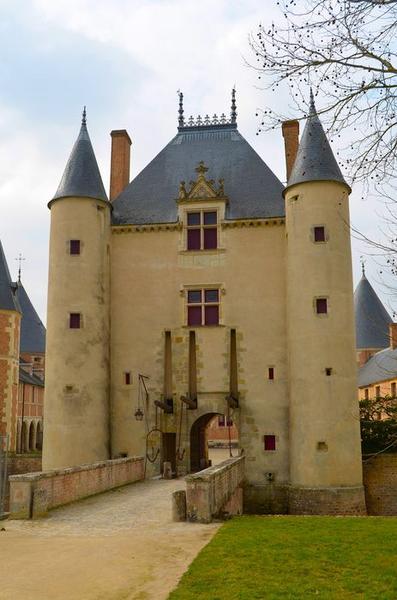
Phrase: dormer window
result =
(202, 230)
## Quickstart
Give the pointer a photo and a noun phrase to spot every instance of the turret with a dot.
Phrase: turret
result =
(76, 418)
(325, 451)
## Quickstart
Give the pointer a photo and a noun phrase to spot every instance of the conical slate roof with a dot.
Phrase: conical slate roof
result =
(8, 300)
(32, 329)
(82, 177)
(315, 160)
(372, 319)
(253, 190)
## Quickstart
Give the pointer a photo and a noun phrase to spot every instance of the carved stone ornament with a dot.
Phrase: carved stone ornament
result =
(202, 188)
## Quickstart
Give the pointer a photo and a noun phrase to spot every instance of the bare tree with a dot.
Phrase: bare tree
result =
(347, 50)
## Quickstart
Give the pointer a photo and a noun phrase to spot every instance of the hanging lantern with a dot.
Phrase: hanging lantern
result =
(139, 414)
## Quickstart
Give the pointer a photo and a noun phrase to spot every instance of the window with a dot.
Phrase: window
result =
(202, 230)
(366, 394)
(328, 371)
(74, 321)
(74, 246)
(271, 373)
(127, 378)
(393, 390)
(321, 306)
(319, 233)
(377, 392)
(269, 442)
(221, 421)
(203, 307)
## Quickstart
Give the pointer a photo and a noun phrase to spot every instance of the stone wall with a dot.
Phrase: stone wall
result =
(216, 491)
(32, 495)
(380, 483)
(327, 501)
(24, 463)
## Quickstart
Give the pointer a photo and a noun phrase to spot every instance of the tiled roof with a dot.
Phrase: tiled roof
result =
(81, 177)
(315, 160)
(25, 377)
(372, 319)
(33, 332)
(8, 300)
(251, 187)
(381, 366)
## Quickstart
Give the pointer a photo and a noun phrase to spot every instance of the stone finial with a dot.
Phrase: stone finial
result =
(233, 114)
(182, 191)
(84, 117)
(201, 168)
(181, 119)
(312, 106)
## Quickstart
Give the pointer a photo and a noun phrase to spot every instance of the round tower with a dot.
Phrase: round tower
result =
(325, 447)
(76, 406)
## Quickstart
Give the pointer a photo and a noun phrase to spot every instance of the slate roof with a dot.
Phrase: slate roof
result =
(25, 377)
(82, 177)
(8, 300)
(33, 332)
(252, 188)
(381, 366)
(372, 319)
(315, 160)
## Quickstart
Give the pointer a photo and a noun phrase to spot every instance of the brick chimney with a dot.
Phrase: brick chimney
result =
(119, 162)
(393, 335)
(290, 131)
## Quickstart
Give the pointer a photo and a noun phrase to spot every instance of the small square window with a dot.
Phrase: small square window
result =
(269, 442)
(74, 321)
(210, 218)
(328, 371)
(74, 246)
(321, 306)
(319, 234)
(271, 372)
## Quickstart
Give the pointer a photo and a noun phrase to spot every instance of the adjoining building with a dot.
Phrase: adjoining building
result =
(376, 336)
(203, 288)
(22, 363)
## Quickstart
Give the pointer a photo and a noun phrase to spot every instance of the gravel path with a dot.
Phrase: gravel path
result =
(120, 545)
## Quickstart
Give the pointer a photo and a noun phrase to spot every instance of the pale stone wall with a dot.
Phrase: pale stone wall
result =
(150, 272)
(76, 407)
(324, 420)
(32, 495)
(215, 491)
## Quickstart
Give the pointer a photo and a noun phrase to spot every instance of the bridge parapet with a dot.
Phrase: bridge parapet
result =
(215, 492)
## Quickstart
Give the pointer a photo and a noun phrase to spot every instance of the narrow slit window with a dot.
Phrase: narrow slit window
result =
(269, 442)
(321, 306)
(74, 321)
(366, 394)
(74, 247)
(127, 378)
(271, 373)
(393, 390)
(319, 233)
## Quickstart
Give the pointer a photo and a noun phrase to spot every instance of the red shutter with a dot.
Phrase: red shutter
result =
(270, 442)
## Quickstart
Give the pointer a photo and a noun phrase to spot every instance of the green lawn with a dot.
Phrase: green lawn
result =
(253, 558)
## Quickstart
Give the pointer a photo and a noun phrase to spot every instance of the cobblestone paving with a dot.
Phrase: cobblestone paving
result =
(120, 545)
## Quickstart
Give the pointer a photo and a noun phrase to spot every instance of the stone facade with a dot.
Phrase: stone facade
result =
(144, 377)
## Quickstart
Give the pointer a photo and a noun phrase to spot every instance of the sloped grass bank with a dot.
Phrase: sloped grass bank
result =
(252, 558)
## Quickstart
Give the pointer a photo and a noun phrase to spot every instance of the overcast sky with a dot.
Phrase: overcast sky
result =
(124, 59)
